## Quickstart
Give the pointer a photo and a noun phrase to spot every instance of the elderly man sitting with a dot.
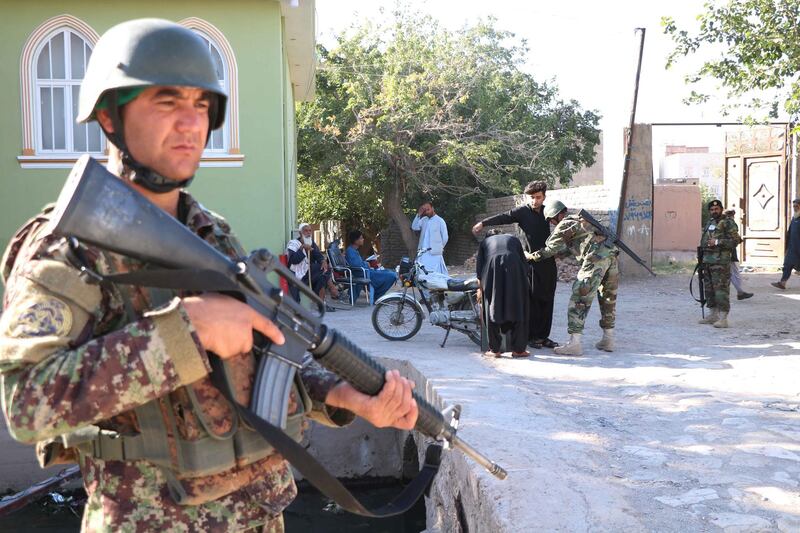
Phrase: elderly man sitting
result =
(310, 265)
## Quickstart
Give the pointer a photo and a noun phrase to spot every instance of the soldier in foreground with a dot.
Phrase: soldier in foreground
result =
(117, 378)
(599, 272)
(719, 240)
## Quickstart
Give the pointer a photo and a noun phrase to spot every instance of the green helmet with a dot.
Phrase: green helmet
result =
(142, 53)
(553, 209)
(147, 52)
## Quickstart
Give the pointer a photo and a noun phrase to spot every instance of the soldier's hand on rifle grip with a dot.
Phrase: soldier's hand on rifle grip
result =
(225, 325)
(393, 406)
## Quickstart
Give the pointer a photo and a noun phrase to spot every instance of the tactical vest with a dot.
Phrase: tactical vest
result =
(160, 440)
(716, 229)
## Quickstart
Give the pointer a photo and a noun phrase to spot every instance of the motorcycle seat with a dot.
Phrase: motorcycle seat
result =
(462, 285)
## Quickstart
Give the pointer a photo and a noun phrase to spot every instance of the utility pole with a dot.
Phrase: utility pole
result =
(629, 140)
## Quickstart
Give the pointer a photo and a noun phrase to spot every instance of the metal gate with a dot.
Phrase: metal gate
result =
(756, 185)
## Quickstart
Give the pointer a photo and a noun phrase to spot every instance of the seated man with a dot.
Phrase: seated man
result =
(381, 280)
(310, 265)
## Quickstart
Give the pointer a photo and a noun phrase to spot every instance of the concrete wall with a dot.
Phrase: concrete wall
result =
(597, 199)
(676, 220)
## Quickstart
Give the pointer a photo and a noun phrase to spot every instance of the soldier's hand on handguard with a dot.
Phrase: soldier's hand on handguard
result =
(394, 406)
(225, 325)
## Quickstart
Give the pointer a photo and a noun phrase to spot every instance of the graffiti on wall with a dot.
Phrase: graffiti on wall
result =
(637, 209)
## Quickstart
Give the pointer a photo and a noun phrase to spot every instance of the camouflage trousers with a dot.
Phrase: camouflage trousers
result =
(601, 276)
(717, 284)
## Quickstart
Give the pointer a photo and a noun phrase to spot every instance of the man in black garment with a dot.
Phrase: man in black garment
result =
(543, 274)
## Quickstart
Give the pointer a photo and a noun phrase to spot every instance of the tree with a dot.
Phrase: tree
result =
(407, 110)
(759, 54)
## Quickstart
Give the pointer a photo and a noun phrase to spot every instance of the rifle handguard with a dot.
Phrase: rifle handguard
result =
(339, 355)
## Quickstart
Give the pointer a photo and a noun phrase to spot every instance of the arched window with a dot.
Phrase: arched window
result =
(219, 141)
(223, 146)
(61, 61)
(52, 65)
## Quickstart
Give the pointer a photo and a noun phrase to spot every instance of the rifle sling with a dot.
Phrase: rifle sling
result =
(318, 476)
(292, 451)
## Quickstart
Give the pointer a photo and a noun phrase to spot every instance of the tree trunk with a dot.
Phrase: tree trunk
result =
(394, 211)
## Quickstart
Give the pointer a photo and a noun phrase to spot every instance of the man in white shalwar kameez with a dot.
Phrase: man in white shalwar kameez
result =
(433, 235)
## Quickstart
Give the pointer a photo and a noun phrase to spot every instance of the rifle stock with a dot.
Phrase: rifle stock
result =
(584, 214)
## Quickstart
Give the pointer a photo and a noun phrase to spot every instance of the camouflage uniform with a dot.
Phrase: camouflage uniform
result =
(599, 271)
(717, 261)
(70, 358)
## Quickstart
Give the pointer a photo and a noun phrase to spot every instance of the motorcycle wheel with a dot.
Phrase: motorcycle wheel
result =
(396, 319)
(466, 305)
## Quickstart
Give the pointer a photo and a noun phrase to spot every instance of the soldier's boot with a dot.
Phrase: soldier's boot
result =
(710, 318)
(573, 347)
(607, 342)
(723, 320)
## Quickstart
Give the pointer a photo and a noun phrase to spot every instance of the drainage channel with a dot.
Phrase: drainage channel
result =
(60, 512)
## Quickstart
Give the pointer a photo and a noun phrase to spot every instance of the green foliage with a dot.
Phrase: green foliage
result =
(756, 50)
(407, 110)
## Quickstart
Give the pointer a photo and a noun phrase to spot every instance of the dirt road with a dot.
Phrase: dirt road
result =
(684, 428)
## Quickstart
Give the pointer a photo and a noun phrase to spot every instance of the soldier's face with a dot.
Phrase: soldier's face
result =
(166, 129)
(715, 211)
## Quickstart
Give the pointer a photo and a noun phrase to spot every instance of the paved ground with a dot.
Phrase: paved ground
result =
(684, 428)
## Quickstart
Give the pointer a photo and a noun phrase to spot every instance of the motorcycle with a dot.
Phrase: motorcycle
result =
(450, 303)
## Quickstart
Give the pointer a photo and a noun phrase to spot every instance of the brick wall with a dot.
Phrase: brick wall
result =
(596, 199)
(462, 245)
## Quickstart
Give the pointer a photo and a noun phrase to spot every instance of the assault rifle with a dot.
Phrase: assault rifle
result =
(97, 208)
(699, 271)
(611, 236)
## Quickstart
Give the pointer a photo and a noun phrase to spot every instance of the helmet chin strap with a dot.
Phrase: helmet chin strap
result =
(138, 173)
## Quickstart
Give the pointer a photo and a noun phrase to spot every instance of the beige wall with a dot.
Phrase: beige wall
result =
(676, 217)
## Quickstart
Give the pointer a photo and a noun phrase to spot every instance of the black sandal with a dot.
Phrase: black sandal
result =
(547, 343)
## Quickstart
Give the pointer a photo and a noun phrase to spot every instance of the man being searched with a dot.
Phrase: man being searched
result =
(720, 238)
(503, 274)
(310, 266)
(543, 274)
(598, 273)
(791, 261)
(116, 377)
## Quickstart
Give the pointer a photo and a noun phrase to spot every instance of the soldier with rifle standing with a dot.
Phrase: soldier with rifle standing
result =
(117, 378)
(599, 272)
(719, 240)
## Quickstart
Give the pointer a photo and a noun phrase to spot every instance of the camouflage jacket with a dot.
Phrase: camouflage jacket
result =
(726, 234)
(70, 358)
(572, 236)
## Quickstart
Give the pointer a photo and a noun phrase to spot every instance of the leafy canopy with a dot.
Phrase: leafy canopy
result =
(407, 110)
(755, 47)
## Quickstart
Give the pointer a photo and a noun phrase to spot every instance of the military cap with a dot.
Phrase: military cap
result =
(714, 203)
